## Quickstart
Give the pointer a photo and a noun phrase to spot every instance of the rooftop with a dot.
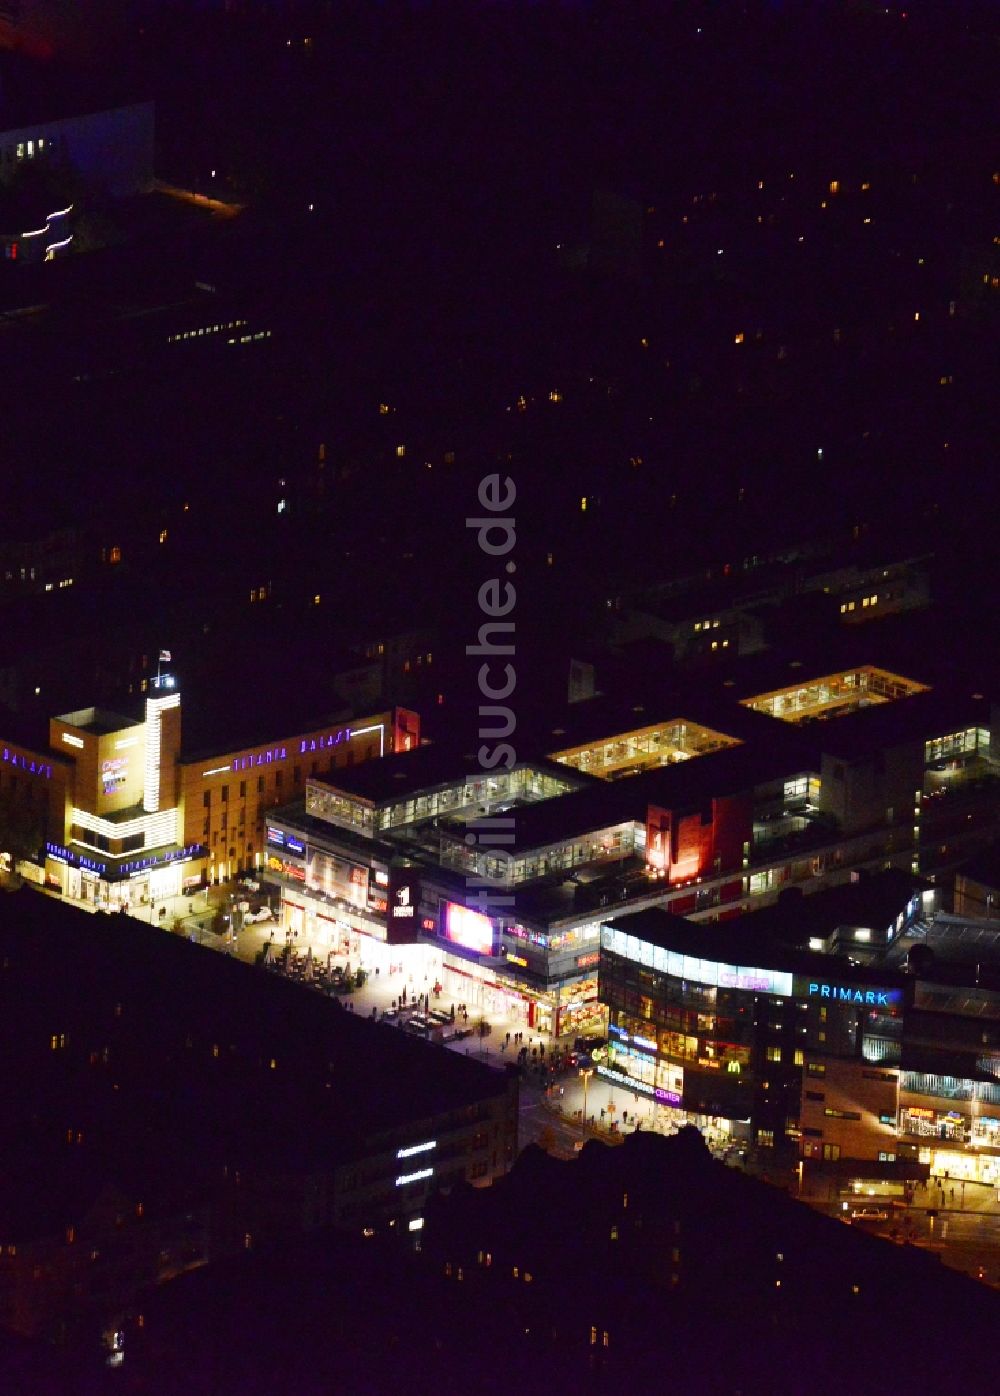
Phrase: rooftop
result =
(274, 1096)
(426, 768)
(100, 722)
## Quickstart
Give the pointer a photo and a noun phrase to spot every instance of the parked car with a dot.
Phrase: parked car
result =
(869, 1215)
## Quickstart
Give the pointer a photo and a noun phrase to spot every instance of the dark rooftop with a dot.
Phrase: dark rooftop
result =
(99, 721)
(338, 1080)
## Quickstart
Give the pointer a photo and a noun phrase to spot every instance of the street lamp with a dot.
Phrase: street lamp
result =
(586, 1072)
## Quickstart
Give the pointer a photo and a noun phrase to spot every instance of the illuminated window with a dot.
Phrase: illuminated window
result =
(774, 1054)
(401, 451)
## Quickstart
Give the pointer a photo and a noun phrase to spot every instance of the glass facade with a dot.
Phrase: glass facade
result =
(964, 743)
(602, 845)
(523, 784)
(834, 694)
(646, 747)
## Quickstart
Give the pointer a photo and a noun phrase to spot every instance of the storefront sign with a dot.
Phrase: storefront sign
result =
(403, 904)
(608, 1073)
(648, 1044)
(585, 961)
(114, 772)
(756, 982)
(293, 871)
(285, 841)
(402, 907)
(322, 743)
(847, 993)
(259, 758)
(26, 763)
(129, 869)
(64, 855)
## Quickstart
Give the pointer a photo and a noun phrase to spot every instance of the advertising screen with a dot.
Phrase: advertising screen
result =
(470, 929)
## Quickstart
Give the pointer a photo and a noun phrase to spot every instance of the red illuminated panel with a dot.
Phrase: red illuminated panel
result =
(407, 730)
(470, 929)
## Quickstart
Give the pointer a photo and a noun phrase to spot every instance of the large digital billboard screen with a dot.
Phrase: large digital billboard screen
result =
(469, 929)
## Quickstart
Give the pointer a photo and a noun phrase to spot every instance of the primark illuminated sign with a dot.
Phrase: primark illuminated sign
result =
(822, 991)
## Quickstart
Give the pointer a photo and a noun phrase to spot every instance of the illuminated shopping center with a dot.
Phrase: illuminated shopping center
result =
(401, 865)
(744, 1030)
(704, 826)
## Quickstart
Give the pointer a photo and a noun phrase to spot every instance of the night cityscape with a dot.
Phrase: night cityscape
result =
(499, 696)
